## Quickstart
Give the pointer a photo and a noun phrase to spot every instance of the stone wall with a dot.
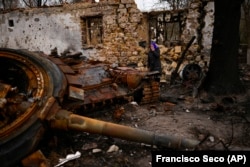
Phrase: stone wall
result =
(199, 23)
(123, 28)
(45, 29)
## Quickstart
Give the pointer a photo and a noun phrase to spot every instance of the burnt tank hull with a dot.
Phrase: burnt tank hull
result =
(37, 90)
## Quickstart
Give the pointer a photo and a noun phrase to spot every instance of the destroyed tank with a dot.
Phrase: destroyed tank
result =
(40, 92)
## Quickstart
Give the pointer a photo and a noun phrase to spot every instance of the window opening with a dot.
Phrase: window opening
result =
(92, 30)
(166, 28)
(11, 23)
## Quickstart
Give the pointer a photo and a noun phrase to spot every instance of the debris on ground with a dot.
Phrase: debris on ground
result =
(69, 157)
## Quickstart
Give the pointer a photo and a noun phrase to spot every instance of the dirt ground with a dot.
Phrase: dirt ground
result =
(219, 123)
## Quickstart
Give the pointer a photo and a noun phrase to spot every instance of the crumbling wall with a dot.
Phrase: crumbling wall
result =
(199, 20)
(199, 23)
(115, 39)
(207, 31)
(44, 29)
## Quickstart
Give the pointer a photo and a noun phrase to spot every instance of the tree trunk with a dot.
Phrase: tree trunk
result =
(4, 5)
(39, 3)
(246, 9)
(223, 73)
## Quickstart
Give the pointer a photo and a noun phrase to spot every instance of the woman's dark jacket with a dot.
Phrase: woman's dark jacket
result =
(154, 62)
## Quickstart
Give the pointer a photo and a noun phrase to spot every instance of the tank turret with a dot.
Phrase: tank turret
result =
(37, 90)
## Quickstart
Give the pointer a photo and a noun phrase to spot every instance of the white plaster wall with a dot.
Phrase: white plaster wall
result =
(207, 31)
(21, 4)
(41, 32)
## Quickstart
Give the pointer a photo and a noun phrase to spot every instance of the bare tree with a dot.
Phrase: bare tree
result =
(9, 4)
(176, 4)
(34, 3)
(28, 3)
(3, 4)
(223, 74)
(39, 3)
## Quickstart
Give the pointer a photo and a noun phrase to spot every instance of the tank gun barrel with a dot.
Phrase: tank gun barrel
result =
(66, 120)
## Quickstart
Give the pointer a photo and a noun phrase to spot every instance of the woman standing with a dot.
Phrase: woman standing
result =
(154, 62)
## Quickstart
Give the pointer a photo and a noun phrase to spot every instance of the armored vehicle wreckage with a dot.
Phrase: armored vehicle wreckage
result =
(37, 90)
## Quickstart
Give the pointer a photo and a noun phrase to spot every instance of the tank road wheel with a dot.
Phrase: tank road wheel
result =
(27, 81)
(191, 72)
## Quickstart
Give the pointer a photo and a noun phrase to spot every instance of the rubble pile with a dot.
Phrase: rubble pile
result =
(170, 57)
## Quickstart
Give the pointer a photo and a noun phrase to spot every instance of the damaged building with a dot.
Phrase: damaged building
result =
(61, 61)
(113, 31)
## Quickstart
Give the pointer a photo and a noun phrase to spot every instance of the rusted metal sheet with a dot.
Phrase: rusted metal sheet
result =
(75, 79)
(47, 108)
(57, 61)
(4, 89)
(90, 77)
(134, 79)
(76, 93)
(93, 75)
(121, 92)
(66, 69)
(105, 89)
(36, 159)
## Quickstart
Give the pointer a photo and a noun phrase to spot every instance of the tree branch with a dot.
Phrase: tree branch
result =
(27, 4)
